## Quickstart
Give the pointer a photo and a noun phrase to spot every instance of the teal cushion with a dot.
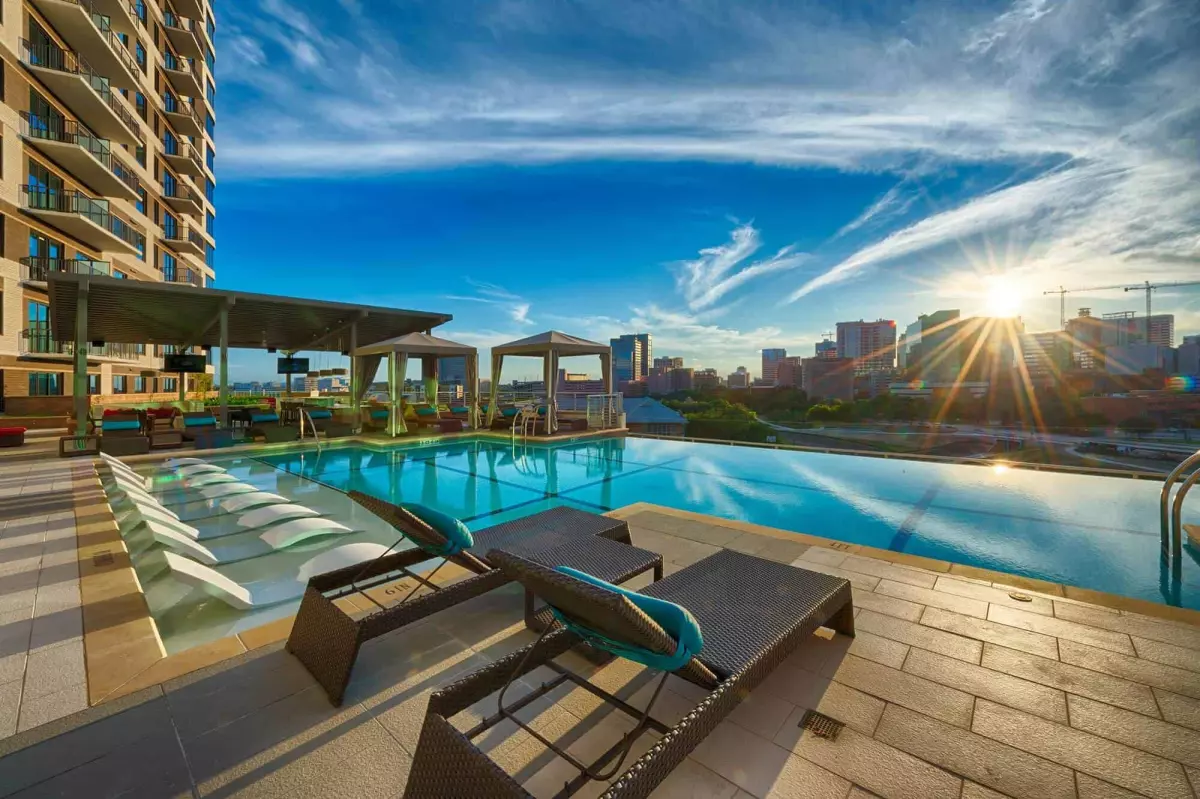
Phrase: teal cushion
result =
(509, 412)
(320, 414)
(426, 411)
(379, 414)
(457, 536)
(541, 410)
(675, 619)
(459, 409)
(199, 421)
(258, 418)
(124, 424)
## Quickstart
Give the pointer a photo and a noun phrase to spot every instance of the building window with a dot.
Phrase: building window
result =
(139, 101)
(210, 158)
(209, 255)
(170, 143)
(139, 8)
(141, 200)
(120, 384)
(140, 154)
(210, 125)
(169, 267)
(210, 222)
(141, 248)
(139, 385)
(170, 184)
(209, 189)
(140, 54)
(93, 384)
(170, 225)
(170, 383)
(117, 273)
(210, 92)
(45, 384)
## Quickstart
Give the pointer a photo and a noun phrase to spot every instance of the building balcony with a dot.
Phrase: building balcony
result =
(81, 89)
(183, 200)
(192, 9)
(90, 33)
(182, 115)
(35, 269)
(182, 239)
(183, 275)
(120, 16)
(37, 342)
(182, 76)
(183, 34)
(86, 156)
(82, 218)
(184, 159)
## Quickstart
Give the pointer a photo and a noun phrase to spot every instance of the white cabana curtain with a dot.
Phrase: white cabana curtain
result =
(365, 367)
(472, 398)
(430, 350)
(494, 394)
(397, 367)
(606, 371)
(550, 372)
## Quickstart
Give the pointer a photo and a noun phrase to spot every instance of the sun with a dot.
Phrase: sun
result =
(1001, 296)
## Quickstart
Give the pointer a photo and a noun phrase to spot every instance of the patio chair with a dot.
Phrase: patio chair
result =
(723, 623)
(327, 640)
(196, 424)
(323, 420)
(265, 424)
(424, 415)
(124, 434)
(376, 418)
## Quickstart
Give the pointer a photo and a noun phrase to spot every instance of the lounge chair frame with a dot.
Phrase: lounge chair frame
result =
(447, 763)
(326, 639)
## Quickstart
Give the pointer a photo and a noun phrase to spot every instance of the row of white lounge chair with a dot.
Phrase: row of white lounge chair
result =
(264, 522)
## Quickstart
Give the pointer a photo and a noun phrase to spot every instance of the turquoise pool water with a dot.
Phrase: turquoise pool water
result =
(1094, 532)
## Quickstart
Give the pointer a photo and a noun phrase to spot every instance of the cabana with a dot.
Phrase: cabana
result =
(549, 346)
(429, 349)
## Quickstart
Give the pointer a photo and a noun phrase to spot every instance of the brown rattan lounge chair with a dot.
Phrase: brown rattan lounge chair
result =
(327, 640)
(752, 613)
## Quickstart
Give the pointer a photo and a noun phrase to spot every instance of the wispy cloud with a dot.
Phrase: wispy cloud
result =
(515, 305)
(719, 270)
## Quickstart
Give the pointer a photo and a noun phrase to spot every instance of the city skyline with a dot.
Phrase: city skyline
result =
(904, 159)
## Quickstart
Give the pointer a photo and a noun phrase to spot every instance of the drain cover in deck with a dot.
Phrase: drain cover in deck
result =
(821, 725)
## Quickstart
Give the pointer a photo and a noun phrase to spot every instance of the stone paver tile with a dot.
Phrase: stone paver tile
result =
(761, 712)
(932, 598)
(1110, 761)
(748, 543)
(1141, 732)
(1059, 628)
(690, 780)
(877, 767)
(1148, 672)
(1181, 710)
(948, 704)
(919, 635)
(1031, 697)
(57, 597)
(782, 550)
(889, 571)
(1141, 626)
(801, 687)
(10, 705)
(759, 767)
(1178, 656)
(881, 603)
(1011, 771)
(830, 557)
(992, 632)
(713, 534)
(48, 707)
(997, 596)
(682, 551)
(50, 670)
(864, 582)
(865, 645)
(1091, 788)
(14, 647)
(849, 706)
(1193, 776)
(1070, 678)
(56, 629)
(973, 790)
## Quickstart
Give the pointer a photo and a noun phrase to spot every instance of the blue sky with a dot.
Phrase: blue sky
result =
(726, 176)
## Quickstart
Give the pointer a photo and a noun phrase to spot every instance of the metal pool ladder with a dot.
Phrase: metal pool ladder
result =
(303, 417)
(1171, 514)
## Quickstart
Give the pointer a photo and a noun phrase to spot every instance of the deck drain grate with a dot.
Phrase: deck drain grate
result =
(1020, 597)
(821, 725)
(102, 559)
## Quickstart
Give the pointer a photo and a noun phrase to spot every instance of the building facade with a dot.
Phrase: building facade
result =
(631, 354)
(871, 345)
(929, 347)
(706, 380)
(1047, 354)
(828, 378)
(826, 349)
(739, 378)
(106, 168)
(791, 372)
(770, 365)
(1092, 336)
(665, 364)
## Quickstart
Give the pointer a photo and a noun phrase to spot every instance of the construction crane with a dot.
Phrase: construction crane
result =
(1062, 299)
(1150, 288)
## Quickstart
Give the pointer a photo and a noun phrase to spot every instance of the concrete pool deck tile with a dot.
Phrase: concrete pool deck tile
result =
(996, 596)
(1011, 771)
(869, 646)
(54, 669)
(827, 557)
(866, 582)
(1071, 678)
(908, 690)
(1091, 788)
(1133, 729)
(955, 646)
(760, 767)
(1181, 710)
(269, 633)
(1168, 654)
(1040, 700)
(932, 598)
(992, 632)
(855, 709)
(889, 571)
(10, 707)
(1063, 630)
(37, 710)
(1156, 675)
(1134, 625)
(891, 606)
(690, 780)
(181, 663)
(1107, 760)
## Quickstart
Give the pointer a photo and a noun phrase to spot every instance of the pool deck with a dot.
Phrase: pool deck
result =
(953, 687)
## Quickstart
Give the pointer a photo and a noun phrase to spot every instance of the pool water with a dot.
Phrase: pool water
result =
(1088, 531)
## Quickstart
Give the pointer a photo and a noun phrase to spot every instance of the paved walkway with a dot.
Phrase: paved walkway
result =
(952, 688)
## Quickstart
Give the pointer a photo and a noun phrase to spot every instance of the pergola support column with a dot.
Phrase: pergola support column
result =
(355, 377)
(80, 386)
(223, 386)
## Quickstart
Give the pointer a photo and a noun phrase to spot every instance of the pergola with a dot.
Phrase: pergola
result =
(97, 308)
(549, 346)
(430, 350)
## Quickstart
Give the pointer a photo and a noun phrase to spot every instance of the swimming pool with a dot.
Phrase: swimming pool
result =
(1084, 530)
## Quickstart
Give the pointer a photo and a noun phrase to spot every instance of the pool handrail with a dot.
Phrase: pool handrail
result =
(1177, 515)
(1171, 542)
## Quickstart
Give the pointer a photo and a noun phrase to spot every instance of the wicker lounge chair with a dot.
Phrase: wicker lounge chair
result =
(124, 434)
(265, 424)
(752, 613)
(326, 640)
(197, 424)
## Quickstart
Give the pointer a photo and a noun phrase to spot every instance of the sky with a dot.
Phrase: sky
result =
(725, 176)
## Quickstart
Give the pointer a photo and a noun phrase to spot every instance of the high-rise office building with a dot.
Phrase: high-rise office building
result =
(631, 354)
(1091, 336)
(826, 349)
(108, 151)
(791, 372)
(872, 345)
(647, 342)
(666, 364)
(453, 371)
(1047, 354)
(740, 378)
(770, 365)
(930, 347)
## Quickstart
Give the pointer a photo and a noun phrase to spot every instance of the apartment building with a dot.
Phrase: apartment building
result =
(771, 359)
(106, 167)
(871, 345)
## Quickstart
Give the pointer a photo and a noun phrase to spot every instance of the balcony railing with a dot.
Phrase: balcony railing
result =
(183, 275)
(66, 201)
(114, 42)
(38, 341)
(50, 56)
(179, 23)
(37, 268)
(68, 131)
(178, 105)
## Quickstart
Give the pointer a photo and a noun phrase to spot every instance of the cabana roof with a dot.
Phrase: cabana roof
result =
(552, 341)
(417, 344)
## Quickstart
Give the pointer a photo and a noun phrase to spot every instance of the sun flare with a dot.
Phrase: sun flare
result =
(1002, 297)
